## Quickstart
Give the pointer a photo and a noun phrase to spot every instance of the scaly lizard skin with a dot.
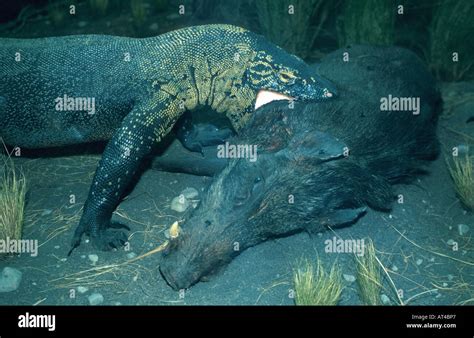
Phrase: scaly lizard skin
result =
(140, 87)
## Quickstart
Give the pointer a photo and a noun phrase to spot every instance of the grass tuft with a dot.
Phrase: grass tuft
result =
(293, 25)
(450, 30)
(369, 278)
(315, 286)
(138, 11)
(12, 201)
(462, 173)
(367, 22)
(99, 5)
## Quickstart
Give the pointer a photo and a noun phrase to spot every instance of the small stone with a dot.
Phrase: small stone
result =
(131, 255)
(116, 303)
(10, 279)
(450, 242)
(394, 268)
(419, 261)
(384, 298)
(463, 229)
(87, 240)
(56, 247)
(153, 26)
(46, 212)
(349, 278)
(463, 149)
(82, 24)
(95, 299)
(93, 258)
(432, 259)
(179, 203)
(450, 277)
(63, 259)
(83, 256)
(34, 284)
(190, 193)
(82, 289)
(445, 284)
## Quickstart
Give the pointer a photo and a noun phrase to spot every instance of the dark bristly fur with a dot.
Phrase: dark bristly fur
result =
(301, 153)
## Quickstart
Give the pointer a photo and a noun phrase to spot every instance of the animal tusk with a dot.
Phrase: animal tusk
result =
(174, 230)
(267, 96)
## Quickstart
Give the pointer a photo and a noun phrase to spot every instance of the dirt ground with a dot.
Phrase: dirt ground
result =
(411, 240)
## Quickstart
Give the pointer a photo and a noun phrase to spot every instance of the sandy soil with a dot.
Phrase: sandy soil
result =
(411, 240)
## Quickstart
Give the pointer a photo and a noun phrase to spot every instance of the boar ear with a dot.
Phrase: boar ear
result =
(314, 146)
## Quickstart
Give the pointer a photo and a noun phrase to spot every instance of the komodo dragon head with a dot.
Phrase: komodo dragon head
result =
(278, 75)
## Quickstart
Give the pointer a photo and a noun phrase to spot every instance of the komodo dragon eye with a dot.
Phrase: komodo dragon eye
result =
(287, 77)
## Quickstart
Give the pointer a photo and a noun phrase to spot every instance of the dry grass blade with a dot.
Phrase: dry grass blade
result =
(369, 279)
(462, 173)
(12, 201)
(315, 286)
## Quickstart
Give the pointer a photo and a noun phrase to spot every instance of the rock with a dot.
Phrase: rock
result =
(83, 256)
(190, 193)
(179, 203)
(463, 149)
(394, 268)
(349, 278)
(419, 261)
(46, 212)
(445, 284)
(131, 255)
(463, 229)
(82, 289)
(10, 279)
(450, 242)
(93, 258)
(385, 300)
(95, 299)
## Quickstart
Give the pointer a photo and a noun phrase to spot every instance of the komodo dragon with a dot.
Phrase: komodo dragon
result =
(69, 90)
